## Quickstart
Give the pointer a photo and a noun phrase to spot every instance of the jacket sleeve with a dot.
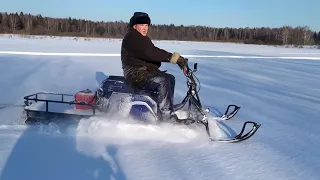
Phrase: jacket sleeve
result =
(143, 48)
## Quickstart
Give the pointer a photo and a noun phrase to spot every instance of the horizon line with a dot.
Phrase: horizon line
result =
(186, 55)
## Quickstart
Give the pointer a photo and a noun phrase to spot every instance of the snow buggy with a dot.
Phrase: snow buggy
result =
(115, 97)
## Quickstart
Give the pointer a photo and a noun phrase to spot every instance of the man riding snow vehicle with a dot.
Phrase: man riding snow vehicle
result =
(141, 61)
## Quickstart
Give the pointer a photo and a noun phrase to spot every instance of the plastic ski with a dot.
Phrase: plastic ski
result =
(240, 137)
(227, 115)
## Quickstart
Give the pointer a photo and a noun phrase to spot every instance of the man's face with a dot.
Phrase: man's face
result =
(141, 28)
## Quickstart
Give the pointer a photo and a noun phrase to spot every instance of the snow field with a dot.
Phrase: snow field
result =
(281, 94)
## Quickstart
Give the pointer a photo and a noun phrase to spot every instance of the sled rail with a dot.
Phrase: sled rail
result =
(51, 97)
(35, 97)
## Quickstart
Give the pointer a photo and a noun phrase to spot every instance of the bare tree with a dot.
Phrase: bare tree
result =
(307, 34)
(285, 34)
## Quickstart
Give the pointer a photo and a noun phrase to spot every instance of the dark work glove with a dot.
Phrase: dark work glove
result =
(182, 62)
(177, 59)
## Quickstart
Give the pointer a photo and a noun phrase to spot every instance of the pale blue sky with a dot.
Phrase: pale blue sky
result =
(217, 13)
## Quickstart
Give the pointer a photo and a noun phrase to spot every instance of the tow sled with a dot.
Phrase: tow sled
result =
(116, 97)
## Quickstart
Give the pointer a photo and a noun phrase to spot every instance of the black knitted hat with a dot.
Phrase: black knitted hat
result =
(139, 18)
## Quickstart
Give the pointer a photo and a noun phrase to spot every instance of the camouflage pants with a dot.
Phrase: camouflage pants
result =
(154, 81)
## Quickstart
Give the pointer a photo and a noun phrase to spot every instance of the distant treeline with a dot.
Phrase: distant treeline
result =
(21, 23)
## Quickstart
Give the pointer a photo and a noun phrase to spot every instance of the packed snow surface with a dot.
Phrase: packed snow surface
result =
(281, 94)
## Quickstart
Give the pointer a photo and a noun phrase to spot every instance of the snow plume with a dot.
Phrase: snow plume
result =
(112, 127)
(129, 131)
(118, 125)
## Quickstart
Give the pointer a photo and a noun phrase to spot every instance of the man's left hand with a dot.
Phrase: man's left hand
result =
(176, 58)
(182, 62)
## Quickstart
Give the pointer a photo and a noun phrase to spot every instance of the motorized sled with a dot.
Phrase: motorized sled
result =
(115, 97)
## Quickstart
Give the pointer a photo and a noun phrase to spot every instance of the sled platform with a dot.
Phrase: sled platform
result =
(44, 106)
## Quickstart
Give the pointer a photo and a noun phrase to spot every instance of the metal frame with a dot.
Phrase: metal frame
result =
(193, 99)
(37, 114)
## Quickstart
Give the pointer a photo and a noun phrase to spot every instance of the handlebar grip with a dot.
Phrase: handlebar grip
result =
(186, 70)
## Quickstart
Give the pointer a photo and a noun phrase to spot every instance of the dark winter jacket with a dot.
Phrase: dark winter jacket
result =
(140, 58)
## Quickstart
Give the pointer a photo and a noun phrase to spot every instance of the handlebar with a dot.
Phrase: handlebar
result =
(187, 71)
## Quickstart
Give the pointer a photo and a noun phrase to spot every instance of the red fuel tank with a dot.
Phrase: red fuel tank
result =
(85, 96)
